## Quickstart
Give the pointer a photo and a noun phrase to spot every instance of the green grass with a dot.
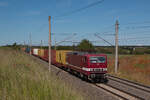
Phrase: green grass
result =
(22, 78)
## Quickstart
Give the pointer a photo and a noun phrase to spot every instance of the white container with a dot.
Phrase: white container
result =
(35, 51)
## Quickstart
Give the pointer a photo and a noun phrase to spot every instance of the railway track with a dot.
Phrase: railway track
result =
(118, 93)
(134, 89)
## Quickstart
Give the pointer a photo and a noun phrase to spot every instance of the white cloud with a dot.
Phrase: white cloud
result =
(3, 4)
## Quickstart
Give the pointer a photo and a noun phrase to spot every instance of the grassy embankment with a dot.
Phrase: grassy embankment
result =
(132, 67)
(22, 78)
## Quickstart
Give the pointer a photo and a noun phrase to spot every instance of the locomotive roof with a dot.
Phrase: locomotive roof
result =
(85, 53)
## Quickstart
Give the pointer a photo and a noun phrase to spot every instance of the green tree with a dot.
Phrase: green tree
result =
(86, 45)
(14, 44)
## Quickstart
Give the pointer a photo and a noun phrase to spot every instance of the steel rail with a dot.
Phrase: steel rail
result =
(126, 92)
(138, 86)
(111, 92)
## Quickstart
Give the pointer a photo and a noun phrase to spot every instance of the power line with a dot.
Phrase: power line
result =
(80, 9)
(103, 39)
(84, 33)
(144, 22)
(135, 27)
(135, 38)
(134, 41)
(66, 38)
(110, 34)
(136, 32)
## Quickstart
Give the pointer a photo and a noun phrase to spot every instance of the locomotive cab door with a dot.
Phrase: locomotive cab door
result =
(85, 61)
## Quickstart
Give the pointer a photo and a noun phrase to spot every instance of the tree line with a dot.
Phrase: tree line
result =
(86, 46)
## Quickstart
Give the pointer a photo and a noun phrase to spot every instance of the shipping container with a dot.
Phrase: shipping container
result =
(45, 57)
(53, 56)
(27, 50)
(41, 52)
(35, 51)
(61, 56)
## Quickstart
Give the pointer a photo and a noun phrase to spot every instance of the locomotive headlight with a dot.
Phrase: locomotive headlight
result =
(86, 69)
(104, 69)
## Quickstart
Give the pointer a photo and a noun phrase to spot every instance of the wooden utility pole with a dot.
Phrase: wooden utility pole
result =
(49, 43)
(55, 45)
(30, 43)
(116, 45)
(24, 43)
(41, 44)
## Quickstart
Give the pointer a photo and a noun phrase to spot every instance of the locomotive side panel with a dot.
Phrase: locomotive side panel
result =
(76, 62)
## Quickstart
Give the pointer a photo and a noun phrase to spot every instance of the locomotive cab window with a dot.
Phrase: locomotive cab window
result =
(99, 59)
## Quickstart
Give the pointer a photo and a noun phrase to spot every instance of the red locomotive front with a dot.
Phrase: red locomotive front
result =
(90, 66)
(97, 66)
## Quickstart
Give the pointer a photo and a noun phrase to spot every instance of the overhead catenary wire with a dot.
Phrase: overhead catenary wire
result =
(120, 39)
(135, 27)
(79, 9)
(67, 38)
(135, 35)
(131, 33)
(132, 23)
(110, 33)
(104, 40)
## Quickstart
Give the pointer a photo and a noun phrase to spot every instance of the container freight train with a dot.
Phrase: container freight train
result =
(91, 67)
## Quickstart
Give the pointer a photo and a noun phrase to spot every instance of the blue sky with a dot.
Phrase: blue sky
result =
(20, 17)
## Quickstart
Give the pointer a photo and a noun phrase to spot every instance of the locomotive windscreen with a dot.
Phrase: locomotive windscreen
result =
(97, 59)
